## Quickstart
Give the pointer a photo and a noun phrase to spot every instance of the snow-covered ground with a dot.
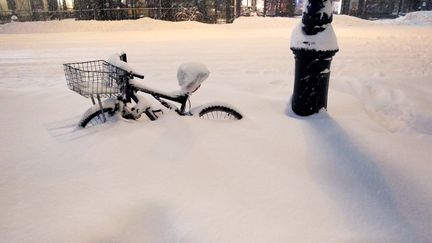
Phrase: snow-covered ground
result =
(359, 173)
(414, 18)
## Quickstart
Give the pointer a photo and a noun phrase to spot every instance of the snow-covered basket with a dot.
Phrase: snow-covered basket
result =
(94, 78)
(191, 75)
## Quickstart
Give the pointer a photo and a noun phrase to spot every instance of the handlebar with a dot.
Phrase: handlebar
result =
(123, 58)
(140, 76)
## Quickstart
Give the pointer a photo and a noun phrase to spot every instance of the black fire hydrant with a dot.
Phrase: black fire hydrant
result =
(314, 44)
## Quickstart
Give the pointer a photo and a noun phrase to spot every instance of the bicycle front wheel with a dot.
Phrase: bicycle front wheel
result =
(219, 113)
(95, 116)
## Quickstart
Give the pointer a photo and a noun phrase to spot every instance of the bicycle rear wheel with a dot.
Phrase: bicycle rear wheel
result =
(219, 113)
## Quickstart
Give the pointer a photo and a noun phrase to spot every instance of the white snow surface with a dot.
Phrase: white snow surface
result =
(359, 172)
(190, 75)
(414, 18)
(322, 41)
(114, 59)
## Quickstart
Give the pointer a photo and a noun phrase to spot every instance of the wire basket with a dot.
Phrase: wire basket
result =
(94, 78)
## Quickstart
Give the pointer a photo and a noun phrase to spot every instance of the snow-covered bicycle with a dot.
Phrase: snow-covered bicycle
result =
(114, 80)
(189, 14)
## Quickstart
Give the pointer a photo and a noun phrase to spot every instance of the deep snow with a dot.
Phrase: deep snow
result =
(358, 173)
(414, 18)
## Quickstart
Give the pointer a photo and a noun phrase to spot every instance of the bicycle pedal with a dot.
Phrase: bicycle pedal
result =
(158, 111)
(128, 116)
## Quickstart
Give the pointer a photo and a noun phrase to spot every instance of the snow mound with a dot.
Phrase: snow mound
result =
(418, 18)
(190, 76)
(334, 177)
(346, 20)
(260, 22)
(322, 41)
(414, 18)
(70, 25)
(386, 105)
(148, 24)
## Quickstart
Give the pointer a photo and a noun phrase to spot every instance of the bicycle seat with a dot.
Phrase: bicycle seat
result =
(191, 75)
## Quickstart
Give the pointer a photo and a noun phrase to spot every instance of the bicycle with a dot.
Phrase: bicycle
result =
(188, 14)
(114, 80)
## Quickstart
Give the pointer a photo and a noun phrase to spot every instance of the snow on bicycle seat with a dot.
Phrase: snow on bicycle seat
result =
(191, 75)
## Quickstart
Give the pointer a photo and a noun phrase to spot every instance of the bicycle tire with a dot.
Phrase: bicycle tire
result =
(179, 17)
(199, 17)
(96, 118)
(220, 113)
(93, 116)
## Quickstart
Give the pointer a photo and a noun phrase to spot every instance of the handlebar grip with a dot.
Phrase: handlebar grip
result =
(137, 75)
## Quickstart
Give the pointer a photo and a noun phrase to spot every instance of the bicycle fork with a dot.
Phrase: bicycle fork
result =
(100, 105)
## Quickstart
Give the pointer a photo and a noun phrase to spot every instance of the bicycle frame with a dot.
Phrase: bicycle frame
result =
(182, 99)
(131, 88)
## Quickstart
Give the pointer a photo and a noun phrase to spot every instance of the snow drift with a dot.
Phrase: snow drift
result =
(414, 18)
(357, 173)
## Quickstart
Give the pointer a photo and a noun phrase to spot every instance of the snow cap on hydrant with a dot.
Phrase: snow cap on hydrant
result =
(315, 32)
